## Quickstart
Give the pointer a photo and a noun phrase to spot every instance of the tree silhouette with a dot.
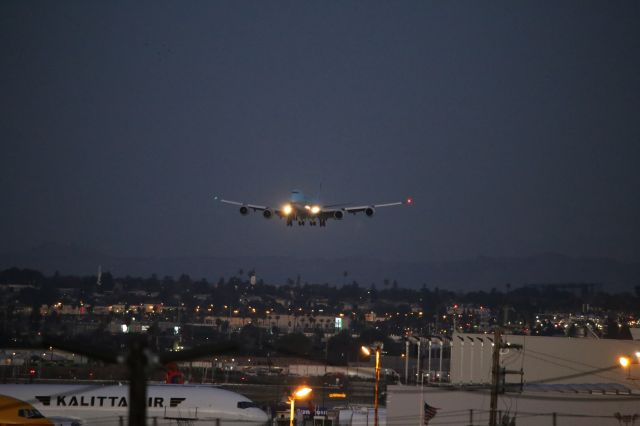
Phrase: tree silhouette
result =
(294, 344)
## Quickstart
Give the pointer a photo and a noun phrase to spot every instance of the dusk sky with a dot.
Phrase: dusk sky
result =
(515, 126)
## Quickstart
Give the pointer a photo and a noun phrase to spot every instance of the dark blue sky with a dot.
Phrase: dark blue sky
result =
(514, 125)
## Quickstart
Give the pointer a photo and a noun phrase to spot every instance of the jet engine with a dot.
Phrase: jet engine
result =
(268, 214)
(338, 214)
(369, 211)
(244, 210)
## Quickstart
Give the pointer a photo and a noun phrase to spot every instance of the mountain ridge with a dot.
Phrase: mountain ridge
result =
(478, 273)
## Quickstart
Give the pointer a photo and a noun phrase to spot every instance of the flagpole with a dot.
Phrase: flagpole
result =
(495, 378)
(375, 421)
(421, 401)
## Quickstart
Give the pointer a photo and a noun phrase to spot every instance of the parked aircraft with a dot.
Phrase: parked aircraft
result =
(16, 412)
(300, 209)
(166, 404)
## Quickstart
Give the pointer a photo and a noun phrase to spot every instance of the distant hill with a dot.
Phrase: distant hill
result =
(477, 273)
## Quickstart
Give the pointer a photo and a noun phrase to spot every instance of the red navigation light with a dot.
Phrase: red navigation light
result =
(32, 372)
(409, 200)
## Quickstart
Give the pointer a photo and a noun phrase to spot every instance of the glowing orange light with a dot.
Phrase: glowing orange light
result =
(624, 361)
(302, 392)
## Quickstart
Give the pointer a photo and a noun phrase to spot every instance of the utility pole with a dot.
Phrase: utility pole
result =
(406, 363)
(138, 363)
(418, 363)
(495, 378)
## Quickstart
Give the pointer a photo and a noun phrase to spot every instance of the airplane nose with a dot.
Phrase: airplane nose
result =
(259, 416)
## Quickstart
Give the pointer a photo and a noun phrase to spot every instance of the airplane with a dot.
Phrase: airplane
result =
(166, 404)
(16, 412)
(301, 209)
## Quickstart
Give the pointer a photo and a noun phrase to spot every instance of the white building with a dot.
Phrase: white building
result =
(564, 381)
(463, 407)
(548, 359)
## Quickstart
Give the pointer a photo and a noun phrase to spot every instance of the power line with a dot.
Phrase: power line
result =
(592, 398)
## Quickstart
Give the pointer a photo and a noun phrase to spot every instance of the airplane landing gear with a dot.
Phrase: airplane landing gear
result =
(318, 222)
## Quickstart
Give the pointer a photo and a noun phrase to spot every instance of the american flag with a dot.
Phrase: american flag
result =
(429, 413)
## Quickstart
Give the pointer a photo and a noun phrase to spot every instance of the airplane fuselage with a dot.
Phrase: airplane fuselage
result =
(166, 404)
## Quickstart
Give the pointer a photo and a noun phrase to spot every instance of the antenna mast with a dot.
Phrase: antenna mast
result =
(99, 280)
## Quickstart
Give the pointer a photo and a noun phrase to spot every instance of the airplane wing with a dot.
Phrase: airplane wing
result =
(369, 209)
(255, 207)
(244, 207)
(358, 209)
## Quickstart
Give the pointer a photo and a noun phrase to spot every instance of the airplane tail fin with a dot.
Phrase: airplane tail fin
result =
(297, 196)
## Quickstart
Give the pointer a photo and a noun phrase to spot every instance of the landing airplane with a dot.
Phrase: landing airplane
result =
(301, 209)
(166, 404)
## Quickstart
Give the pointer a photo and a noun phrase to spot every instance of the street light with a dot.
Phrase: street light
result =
(300, 393)
(481, 357)
(367, 351)
(441, 347)
(624, 361)
(461, 357)
(471, 362)
(429, 364)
